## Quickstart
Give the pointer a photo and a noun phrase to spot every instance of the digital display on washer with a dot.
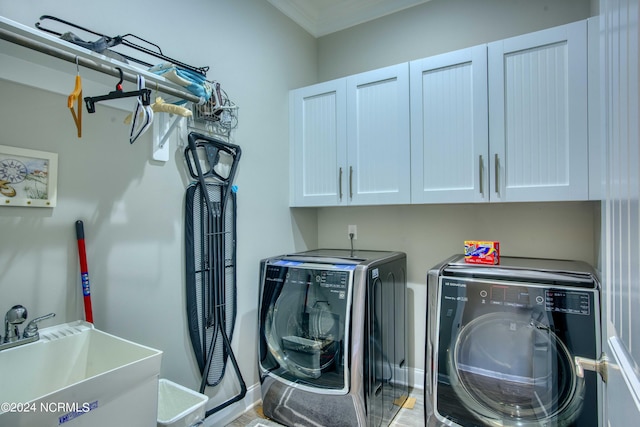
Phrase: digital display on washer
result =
(569, 302)
(323, 278)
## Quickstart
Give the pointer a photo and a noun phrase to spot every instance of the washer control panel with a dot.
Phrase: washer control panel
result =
(560, 300)
(569, 302)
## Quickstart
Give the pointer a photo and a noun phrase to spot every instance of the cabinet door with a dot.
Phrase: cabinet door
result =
(538, 115)
(378, 137)
(449, 127)
(597, 152)
(318, 144)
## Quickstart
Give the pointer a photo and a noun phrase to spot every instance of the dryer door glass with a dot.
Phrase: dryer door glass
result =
(305, 324)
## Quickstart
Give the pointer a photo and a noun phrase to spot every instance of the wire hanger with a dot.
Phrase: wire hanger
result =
(142, 93)
(76, 96)
(142, 114)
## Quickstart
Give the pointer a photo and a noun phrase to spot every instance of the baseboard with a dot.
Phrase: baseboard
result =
(231, 412)
(416, 375)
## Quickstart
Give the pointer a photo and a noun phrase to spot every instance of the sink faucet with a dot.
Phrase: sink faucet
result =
(15, 317)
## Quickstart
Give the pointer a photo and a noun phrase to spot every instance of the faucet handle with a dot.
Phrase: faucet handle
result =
(32, 327)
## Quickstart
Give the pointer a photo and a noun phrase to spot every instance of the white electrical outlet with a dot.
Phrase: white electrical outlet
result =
(352, 229)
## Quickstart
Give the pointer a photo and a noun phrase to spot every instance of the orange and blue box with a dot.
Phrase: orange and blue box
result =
(481, 252)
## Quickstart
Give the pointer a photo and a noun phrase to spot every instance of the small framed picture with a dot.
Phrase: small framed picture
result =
(28, 177)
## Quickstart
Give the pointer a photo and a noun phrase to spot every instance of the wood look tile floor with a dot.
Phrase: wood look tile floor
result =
(406, 417)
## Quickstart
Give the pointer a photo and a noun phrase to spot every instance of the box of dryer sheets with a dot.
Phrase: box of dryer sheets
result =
(481, 252)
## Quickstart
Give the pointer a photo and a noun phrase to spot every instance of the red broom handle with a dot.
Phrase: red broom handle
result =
(84, 272)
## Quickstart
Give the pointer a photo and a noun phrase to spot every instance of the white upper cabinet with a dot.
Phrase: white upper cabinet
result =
(449, 127)
(318, 150)
(501, 122)
(538, 115)
(378, 137)
(350, 140)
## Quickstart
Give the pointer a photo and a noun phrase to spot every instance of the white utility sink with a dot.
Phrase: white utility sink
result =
(76, 375)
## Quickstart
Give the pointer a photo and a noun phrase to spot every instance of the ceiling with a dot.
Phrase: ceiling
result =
(322, 17)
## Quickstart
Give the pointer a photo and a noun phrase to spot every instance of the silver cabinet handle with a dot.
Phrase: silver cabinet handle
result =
(340, 183)
(350, 182)
(496, 164)
(480, 168)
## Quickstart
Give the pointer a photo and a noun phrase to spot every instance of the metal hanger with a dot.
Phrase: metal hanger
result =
(142, 115)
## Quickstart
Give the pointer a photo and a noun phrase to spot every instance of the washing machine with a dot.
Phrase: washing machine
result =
(515, 344)
(333, 344)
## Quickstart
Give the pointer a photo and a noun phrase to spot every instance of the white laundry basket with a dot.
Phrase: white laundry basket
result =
(179, 406)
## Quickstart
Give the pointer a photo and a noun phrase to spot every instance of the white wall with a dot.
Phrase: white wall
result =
(429, 234)
(439, 26)
(132, 207)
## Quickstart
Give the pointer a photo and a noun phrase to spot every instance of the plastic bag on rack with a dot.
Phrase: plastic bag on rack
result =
(194, 82)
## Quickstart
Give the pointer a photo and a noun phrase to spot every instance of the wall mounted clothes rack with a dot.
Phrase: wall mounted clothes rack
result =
(125, 41)
(39, 41)
(36, 59)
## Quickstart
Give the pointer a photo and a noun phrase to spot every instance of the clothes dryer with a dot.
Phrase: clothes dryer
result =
(333, 337)
(515, 344)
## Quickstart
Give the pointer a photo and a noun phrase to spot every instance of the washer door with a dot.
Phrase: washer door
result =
(511, 370)
(302, 339)
(306, 326)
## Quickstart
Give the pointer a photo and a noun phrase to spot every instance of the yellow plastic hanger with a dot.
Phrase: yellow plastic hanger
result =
(76, 96)
(160, 106)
